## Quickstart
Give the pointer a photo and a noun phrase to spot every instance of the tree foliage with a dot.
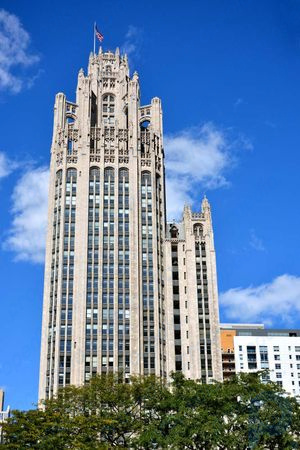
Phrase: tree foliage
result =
(239, 414)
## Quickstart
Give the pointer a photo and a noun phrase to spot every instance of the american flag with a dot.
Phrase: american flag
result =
(99, 35)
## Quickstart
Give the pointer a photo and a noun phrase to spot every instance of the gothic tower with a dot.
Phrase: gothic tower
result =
(192, 311)
(104, 292)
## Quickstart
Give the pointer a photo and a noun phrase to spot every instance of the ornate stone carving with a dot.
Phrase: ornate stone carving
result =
(123, 135)
(95, 134)
(73, 134)
(59, 158)
(145, 162)
(123, 160)
(72, 159)
(109, 133)
(95, 159)
(60, 137)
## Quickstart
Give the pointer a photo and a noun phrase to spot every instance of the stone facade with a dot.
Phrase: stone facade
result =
(192, 314)
(105, 306)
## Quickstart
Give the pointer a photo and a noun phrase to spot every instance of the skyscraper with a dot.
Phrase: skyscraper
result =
(105, 305)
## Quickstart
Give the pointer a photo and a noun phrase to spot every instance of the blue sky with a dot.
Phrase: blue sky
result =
(228, 74)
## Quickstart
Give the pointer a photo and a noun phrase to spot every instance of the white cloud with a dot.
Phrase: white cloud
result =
(6, 165)
(196, 156)
(27, 235)
(132, 42)
(274, 302)
(14, 52)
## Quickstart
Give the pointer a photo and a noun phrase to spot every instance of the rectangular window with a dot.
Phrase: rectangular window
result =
(251, 355)
(252, 365)
(263, 348)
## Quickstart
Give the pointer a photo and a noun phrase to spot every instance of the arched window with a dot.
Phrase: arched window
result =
(108, 109)
(70, 119)
(144, 124)
(109, 175)
(145, 136)
(174, 232)
(58, 175)
(124, 174)
(71, 174)
(146, 178)
(95, 173)
(198, 230)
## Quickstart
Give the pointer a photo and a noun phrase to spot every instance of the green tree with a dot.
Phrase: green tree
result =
(240, 414)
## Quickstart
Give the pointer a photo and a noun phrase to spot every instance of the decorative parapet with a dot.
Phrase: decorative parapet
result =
(145, 110)
(198, 215)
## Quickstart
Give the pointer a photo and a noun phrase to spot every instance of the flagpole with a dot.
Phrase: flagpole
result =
(94, 38)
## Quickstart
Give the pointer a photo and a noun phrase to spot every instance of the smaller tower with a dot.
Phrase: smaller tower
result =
(192, 315)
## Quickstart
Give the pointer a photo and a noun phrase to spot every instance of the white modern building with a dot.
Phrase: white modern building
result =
(109, 301)
(256, 348)
(4, 414)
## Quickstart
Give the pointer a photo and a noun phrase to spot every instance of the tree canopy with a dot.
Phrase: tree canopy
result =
(147, 413)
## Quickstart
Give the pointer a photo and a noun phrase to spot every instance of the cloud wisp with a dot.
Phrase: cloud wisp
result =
(7, 166)
(26, 237)
(196, 157)
(273, 302)
(255, 242)
(132, 43)
(14, 53)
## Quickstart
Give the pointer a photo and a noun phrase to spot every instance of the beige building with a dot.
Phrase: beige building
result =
(105, 306)
(192, 314)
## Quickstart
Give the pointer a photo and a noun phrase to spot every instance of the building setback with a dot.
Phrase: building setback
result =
(109, 300)
(192, 312)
